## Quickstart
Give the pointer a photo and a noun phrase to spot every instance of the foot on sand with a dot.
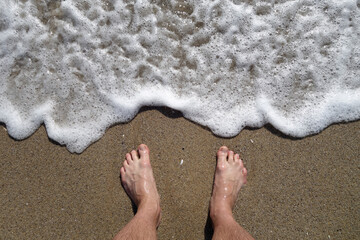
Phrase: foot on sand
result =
(138, 181)
(230, 176)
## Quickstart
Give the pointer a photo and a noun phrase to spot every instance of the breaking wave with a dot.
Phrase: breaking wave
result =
(81, 66)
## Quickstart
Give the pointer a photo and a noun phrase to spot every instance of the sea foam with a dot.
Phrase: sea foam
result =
(79, 66)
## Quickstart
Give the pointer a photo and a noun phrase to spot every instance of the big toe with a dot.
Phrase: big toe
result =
(222, 155)
(144, 153)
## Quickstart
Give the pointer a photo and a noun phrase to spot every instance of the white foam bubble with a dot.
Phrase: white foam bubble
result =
(81, 66)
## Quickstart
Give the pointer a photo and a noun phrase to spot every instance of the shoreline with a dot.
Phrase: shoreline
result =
(297, 189)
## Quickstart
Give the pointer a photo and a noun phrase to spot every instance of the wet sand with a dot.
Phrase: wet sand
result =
(297, 189)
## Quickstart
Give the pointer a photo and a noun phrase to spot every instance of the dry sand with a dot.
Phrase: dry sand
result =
(297, 189)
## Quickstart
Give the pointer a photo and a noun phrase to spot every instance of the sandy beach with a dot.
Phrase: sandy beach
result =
(297, 188)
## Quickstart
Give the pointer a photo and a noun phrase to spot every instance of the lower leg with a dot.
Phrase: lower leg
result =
(230, 229)
(139, 183)
(140, 227)
(230, 176)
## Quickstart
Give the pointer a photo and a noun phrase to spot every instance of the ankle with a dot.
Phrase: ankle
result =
(149, 205)
(220, 211)
(222, 221)
(150, 210)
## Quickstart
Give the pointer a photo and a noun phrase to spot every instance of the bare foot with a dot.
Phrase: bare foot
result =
(139, 183)
(230, 176)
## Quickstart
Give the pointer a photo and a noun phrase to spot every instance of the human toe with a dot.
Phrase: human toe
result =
(128, 157)
(125, 164)
(241, 164)
(143, 147)
(244, 171)
(144, 152)
(237, 158)
(230, 156)
(134, 155)
(223, 151)
(222, 155)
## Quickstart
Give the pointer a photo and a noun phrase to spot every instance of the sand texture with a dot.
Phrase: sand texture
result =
(297, 189)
